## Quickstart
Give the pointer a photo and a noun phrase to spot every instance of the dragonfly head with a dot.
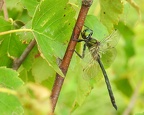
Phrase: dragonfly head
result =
(87, 33)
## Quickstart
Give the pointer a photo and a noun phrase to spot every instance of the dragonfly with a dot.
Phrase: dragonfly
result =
(100, 50)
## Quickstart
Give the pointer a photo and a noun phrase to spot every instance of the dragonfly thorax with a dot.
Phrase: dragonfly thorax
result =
(91, 43)
(94, 48)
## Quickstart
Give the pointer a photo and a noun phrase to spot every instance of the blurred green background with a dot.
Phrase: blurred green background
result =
(126, 72)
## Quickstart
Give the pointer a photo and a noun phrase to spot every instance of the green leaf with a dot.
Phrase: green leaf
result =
(15, 46)
(124, 86)
(8, 49)
(4, 26)
(110, 12)
(8, 44)
(5, 60)
(26, 75)
(99, 30)
(9, 104)
(9, 78)
(15, 4)
(84, 87)
(52, 25)
(15, 8)
(30, 5)
(28, 62)
(26, 36)
(48, 82)
(41, 71)
(128, 36)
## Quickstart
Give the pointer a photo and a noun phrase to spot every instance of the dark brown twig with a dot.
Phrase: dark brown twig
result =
(69, 52)
(18, 62)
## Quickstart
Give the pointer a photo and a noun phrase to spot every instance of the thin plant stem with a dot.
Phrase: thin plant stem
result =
(5, 10)
(18, 62)
(14, 31)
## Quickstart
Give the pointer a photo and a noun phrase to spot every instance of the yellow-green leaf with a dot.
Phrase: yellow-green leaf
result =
(110, 12)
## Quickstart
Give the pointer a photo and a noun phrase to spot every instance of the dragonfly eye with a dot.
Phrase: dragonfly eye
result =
(87, 33)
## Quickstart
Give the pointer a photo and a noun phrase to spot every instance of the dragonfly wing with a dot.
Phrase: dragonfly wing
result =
(91, 70)
(107, 50)
(110, 41)
(90, 67)
(108, 57)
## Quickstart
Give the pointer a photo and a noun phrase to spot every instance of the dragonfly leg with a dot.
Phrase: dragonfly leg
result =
(79, 40)
(83, 53)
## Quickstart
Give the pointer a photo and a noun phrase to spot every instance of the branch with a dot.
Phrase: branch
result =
(69, 52)
(18, 62)
(133, 100)
(5, 10)
(1, 4)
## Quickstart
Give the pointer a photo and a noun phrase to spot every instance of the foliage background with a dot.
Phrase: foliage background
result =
(126, 73)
